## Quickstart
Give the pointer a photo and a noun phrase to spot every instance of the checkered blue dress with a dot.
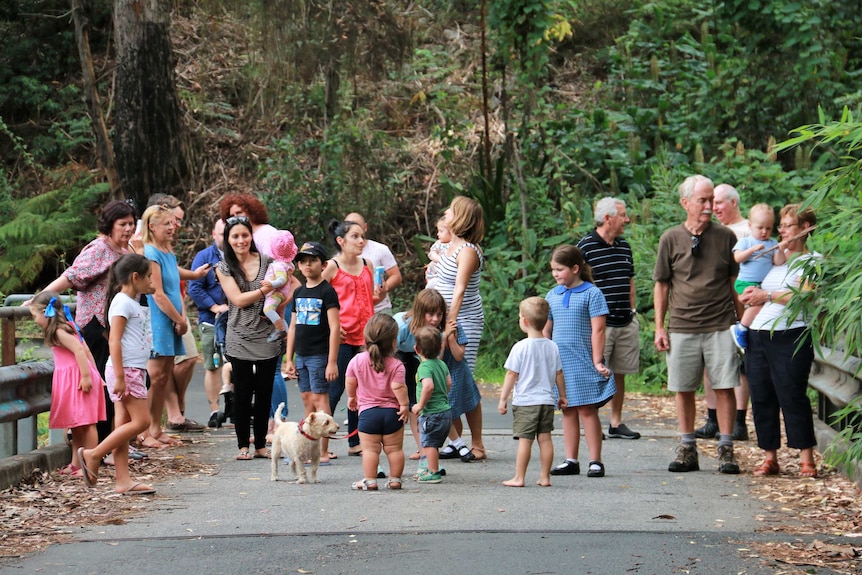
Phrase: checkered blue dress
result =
(464, 395)
(572, 334)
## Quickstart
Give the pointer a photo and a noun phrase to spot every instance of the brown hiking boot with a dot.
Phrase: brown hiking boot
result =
(686, 460)
(726, 461)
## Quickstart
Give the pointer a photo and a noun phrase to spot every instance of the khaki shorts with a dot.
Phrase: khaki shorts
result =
(623, 348)
(691, 353)
(191, 348)
(208, 346)
(528, 421)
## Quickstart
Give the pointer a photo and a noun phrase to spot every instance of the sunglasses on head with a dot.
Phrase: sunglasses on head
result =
(695, 246)
(233, 220)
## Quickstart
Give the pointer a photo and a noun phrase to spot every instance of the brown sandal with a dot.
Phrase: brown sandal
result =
(807, 469)
(768, 467)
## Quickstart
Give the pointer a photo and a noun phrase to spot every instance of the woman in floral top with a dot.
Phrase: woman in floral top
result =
(88, 275)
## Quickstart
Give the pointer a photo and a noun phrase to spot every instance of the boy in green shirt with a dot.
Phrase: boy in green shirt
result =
(432, 386)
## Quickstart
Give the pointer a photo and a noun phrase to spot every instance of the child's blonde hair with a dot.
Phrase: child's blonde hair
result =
(426, 301)
(765, 209)
(58, 322)
(429, 341)
(535, 310)
(381, 333)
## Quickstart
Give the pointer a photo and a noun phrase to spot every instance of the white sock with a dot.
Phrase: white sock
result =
(572, 460)
(457, 443)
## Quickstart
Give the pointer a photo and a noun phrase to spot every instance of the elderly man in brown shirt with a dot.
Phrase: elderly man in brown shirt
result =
(694, 275)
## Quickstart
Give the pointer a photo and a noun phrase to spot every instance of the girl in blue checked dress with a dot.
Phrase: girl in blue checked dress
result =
(577, 325)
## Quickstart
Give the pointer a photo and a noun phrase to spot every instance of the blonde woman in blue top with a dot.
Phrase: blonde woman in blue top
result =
(576, 323)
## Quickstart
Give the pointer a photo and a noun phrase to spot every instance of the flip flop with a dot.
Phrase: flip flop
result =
(331, 455)
(86, 475)
(70, 470)
(138, 489)
(168, 440)
(244, 455)
(265, 455)
(416, 455)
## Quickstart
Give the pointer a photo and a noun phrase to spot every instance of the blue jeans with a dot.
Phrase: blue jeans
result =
(346, 352)
(279, 390)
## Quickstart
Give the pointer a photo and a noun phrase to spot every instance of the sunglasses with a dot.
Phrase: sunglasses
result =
(695, 246)
(234, 220)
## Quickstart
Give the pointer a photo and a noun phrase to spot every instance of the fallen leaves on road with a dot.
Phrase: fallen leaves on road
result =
(51, 508)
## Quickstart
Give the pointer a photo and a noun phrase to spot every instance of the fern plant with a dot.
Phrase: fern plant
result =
(43, 228)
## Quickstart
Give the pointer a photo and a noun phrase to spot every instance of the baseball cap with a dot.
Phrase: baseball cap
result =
(313, 249)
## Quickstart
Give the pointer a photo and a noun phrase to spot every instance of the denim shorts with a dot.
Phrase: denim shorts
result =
(379, 421)
(434, 428)
(311, 373)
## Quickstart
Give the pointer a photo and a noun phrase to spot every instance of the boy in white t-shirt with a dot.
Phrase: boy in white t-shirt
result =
(532, 369)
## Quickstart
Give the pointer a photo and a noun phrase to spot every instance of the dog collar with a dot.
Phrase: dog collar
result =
(299, 430)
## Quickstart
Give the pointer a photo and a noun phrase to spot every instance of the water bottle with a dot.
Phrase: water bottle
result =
(216, 359)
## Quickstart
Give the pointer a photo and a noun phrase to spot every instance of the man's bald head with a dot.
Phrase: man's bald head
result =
(726, 204)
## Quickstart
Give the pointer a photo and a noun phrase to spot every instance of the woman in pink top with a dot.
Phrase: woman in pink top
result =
(375, 387)
(351, 277)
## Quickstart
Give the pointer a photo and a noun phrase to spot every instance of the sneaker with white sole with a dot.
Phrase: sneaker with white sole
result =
(740, 336)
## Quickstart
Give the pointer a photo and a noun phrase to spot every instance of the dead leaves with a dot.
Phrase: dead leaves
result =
(50, 508)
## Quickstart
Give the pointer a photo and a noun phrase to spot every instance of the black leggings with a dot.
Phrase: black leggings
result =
(252, 379)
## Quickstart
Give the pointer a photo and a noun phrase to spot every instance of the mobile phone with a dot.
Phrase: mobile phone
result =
(138, 227)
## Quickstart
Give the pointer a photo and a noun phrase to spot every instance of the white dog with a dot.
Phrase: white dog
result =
(300, 442)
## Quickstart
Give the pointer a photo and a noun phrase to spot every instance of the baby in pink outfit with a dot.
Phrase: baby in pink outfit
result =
(279, 273)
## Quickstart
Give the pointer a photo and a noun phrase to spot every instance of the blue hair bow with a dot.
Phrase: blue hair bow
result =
(51, 311)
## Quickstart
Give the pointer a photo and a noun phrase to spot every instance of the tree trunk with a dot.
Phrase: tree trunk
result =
(91, 99)
(151, 143)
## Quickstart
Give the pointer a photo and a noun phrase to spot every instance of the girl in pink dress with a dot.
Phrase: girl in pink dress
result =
(77, 397)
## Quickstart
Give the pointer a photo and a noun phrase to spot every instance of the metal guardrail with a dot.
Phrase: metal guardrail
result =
(25, 388)
(836, 377)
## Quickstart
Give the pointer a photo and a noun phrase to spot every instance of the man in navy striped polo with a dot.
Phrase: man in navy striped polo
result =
(610, 257)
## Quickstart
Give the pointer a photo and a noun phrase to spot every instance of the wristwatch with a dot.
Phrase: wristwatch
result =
(769, 297)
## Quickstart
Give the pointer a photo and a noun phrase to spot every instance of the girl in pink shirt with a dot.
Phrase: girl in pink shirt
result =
(375, 387)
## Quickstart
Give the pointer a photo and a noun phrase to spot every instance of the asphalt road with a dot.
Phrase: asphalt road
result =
(639, 519)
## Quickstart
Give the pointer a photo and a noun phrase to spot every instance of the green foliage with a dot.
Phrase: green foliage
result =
(44, 228)
(834, 307)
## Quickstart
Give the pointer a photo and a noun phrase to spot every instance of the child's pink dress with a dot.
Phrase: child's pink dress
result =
(70, 406)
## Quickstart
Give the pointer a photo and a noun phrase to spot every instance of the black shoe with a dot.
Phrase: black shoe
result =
(215, 420)
(449, 452)
(726, 462)
(708, 431)
(276, 336)
(228, 406)
(622, 432)
(596, 469)
(740, 432)
(567, 468)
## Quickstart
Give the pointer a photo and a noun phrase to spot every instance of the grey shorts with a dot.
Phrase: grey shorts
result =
(531, 420)
(434, 429)
(691, 353)
(623, 348)
(208, 346)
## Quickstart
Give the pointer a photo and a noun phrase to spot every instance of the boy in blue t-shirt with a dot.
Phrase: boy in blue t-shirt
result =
(433, 383)
(752, 267)
(533, 368)
(314, 334)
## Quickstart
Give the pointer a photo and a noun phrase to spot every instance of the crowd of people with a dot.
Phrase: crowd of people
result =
(718, 287)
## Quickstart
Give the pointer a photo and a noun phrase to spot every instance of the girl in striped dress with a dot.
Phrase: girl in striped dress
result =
(458, 274)
(577, 325)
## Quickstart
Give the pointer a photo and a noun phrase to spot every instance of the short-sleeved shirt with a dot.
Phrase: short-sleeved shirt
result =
(700, 286)
(88, 274)
(381, 255)
(312, 321)
(754, 270)
(537, 361)
(136, 340)
(247, 331)
(375, 388)
(613, 269)
(741, 229)
(436, 370)
(782, 277)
